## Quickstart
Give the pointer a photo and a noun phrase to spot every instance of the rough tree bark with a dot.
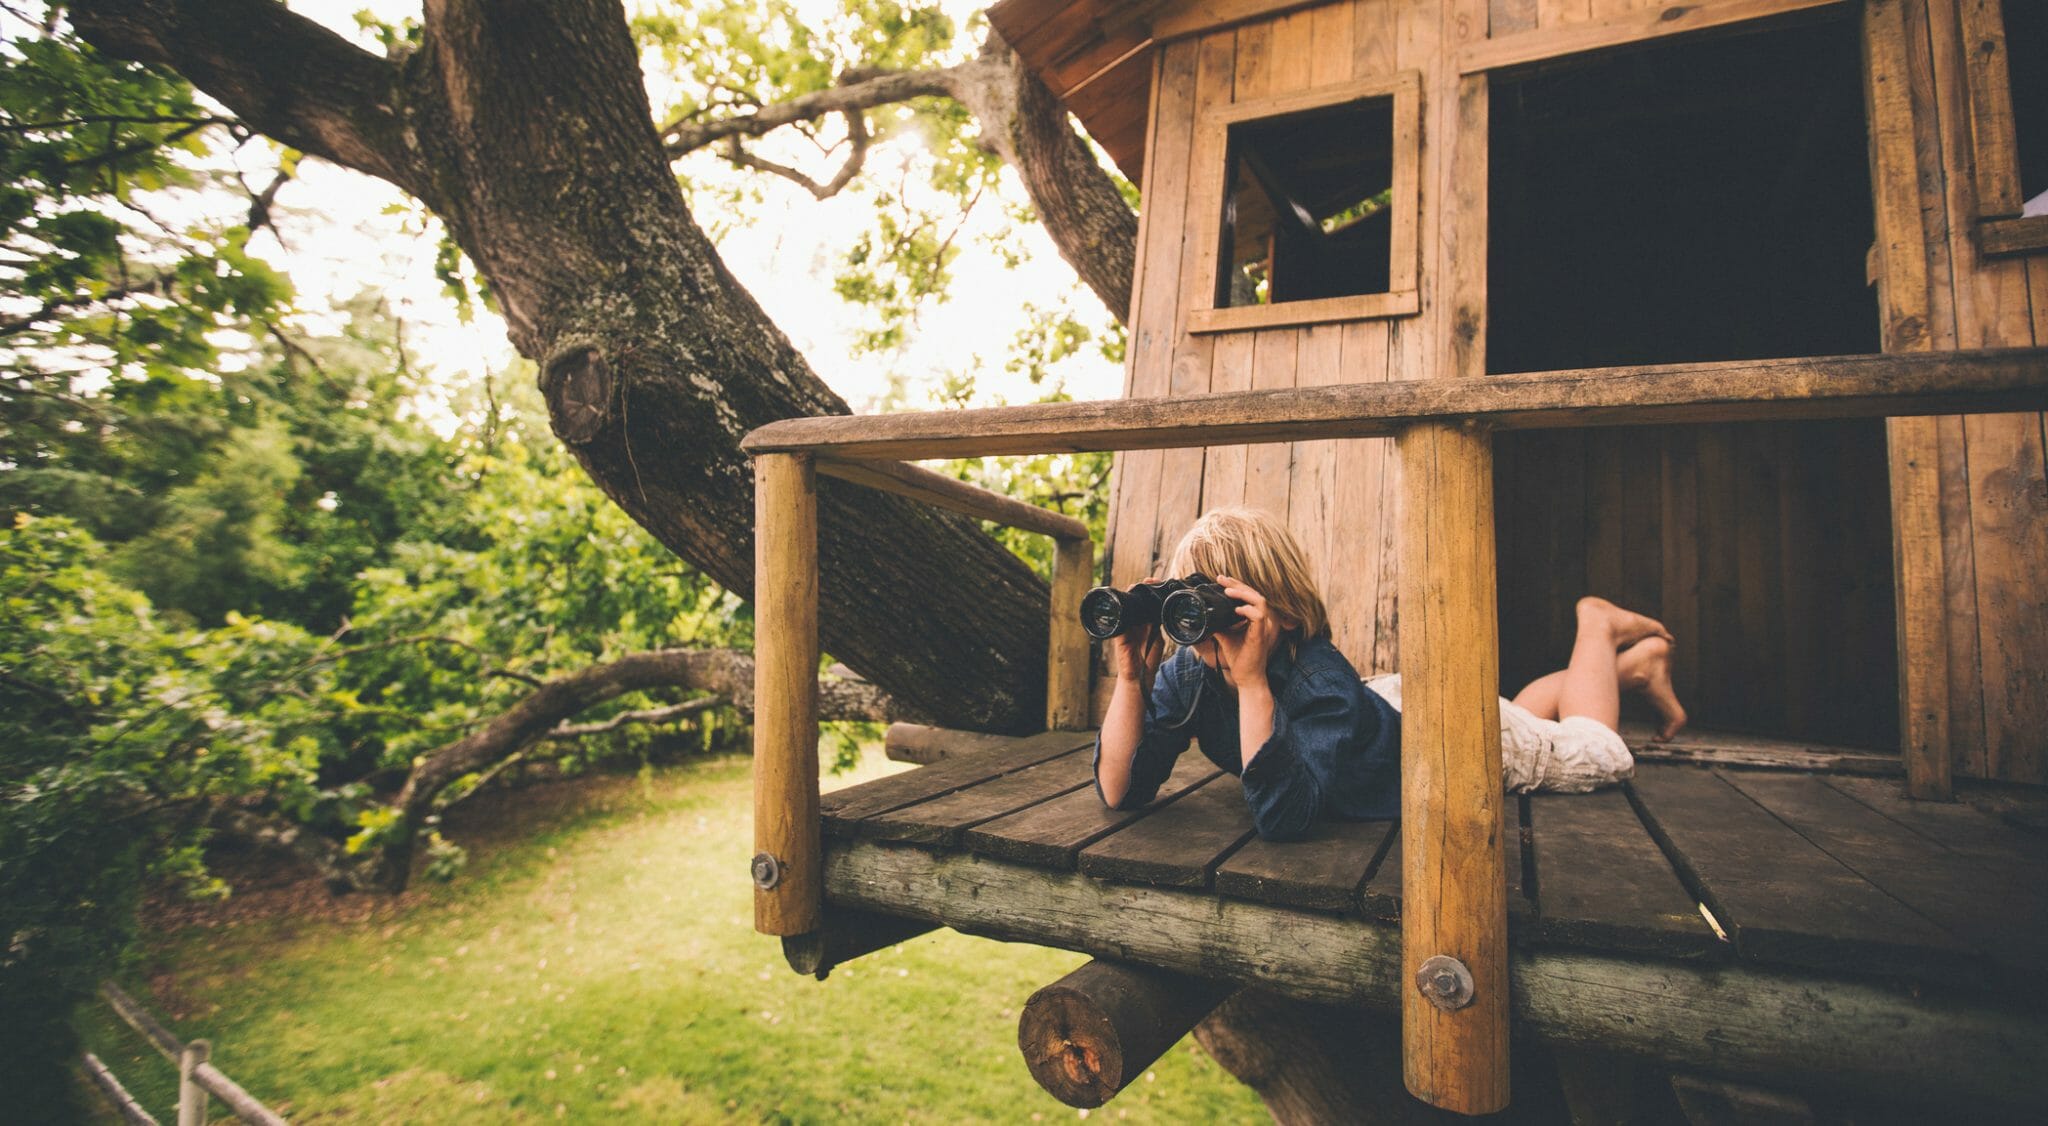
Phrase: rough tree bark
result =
(523, 124)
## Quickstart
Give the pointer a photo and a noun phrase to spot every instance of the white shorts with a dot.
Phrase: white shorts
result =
(1571, 755)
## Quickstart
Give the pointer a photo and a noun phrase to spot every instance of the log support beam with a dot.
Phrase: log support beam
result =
(1454, 979)
(788, 865)
(1093, 1032)
(847, 933)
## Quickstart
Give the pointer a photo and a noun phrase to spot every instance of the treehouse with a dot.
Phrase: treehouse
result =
(1735, 311)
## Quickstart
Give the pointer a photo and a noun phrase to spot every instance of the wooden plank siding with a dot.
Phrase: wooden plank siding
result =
(1337, 496)
(1990, 505)
(1754, 542)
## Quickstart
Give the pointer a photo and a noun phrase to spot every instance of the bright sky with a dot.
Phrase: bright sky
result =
(344, 232)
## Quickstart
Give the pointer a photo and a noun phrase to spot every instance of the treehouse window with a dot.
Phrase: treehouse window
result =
(2008, 84)
(1315, 198)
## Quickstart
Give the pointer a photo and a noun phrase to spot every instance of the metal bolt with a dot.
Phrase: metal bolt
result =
(767, 870)
(1446, 982)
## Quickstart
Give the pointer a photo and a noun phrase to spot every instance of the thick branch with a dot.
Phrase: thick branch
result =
(280, 73)
(1094, 229)
(683, 137)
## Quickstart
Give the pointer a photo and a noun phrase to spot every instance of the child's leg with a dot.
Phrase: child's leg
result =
(1591, 682)
(1544, 696)
(1645, 667)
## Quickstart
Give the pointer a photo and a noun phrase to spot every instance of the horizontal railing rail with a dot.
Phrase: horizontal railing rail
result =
(1922, 383)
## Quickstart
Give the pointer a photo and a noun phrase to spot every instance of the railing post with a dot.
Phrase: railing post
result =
(1066, 656)
(191, 1096)
(1454, 980)
(788, 855)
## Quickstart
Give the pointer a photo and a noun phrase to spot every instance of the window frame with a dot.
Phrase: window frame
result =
(1403, 296)
(1994, 140)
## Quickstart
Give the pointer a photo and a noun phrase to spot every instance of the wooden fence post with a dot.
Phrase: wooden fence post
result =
(1066, 657)
(1454, 979)
(191, 1096)
(788, 866)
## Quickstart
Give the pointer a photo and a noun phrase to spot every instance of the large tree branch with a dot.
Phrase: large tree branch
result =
(727, 673)
(280, 73)
(1094, 228)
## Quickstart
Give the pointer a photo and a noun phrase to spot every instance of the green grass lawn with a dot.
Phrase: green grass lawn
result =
(596, 962)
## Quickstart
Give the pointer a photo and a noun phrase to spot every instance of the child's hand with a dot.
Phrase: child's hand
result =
(1136, 656)
(1244, 651)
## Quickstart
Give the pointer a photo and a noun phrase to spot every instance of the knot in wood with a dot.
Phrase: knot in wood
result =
(578, 384)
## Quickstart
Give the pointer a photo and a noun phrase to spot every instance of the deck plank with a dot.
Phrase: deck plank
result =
(1968, 831)
(1050, 834)
(1602, 882)
(898, 790)
(940, 820)
(1380, 898)
(1977, 904)
(1780, 898)
(1179, 845)
(1322, 872)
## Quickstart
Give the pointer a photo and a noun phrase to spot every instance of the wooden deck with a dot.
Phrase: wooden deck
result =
(1837, 896)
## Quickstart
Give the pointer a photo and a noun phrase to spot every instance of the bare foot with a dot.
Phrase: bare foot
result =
(1650, 674)
(1628, 626)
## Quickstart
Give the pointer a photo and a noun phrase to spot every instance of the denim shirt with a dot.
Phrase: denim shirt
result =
(1335, 747)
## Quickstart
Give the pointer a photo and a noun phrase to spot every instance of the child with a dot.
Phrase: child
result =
(1276, 704)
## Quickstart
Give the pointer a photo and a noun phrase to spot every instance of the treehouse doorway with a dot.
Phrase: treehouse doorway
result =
(1706, 199)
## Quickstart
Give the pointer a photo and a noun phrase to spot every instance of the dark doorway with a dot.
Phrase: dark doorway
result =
(1703, 199)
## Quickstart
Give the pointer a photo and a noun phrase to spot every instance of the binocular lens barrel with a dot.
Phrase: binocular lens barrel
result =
(1189, 609)
(1107, 612)
(1191, 615)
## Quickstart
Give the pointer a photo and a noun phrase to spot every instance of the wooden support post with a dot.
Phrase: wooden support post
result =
(191, 1096)
(1091, 1033)
(788, 854)
(847, 933)
(1913, 445)
(1066, 675)
(1454, 899)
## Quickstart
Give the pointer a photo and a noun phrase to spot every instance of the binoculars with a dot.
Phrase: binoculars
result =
(1189, 609)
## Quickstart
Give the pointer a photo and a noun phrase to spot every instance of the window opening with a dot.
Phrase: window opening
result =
(1308, 208)
(2026, 51)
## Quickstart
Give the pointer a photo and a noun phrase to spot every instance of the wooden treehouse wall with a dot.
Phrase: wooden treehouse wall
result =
(1745, 565)
(1984, 604)
(1338, 497)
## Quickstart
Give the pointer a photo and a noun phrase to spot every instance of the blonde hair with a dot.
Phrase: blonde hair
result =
(1249, 545)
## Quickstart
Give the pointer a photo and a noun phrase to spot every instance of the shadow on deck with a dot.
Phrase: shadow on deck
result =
(1862, 938)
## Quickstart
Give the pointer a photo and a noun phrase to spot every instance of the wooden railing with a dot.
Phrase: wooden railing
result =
(788, 858)
(1454, 914)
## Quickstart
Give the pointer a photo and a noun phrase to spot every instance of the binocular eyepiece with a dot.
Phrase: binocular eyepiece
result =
(1189, 610)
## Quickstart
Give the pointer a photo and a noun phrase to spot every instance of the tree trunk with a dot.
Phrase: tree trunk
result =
(523, 124)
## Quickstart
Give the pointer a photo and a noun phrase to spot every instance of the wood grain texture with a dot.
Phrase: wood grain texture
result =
(1178, 845)
(1068, 650)
(1052, 833)
(1322, 872)
(955, 495)
(1568, 28)
(844, 809)
(1780, 898)
(1093, 1032)
(786, 692)
(1603, 884)
(1732, 391)
(941, 820)
(1815, 1027)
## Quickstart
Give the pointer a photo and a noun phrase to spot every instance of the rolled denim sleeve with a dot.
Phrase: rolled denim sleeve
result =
(1158, 748)
(1283, 790)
